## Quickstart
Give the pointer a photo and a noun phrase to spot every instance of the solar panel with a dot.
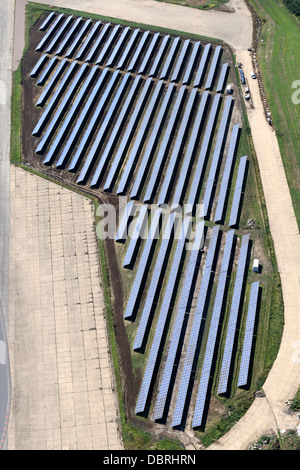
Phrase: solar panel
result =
(61, 110)
(47, 21)
(117, 47)
(52, 63)
(170, 57)
(128, 49)
(80, 54)
(54, 100)
(234, 311)
(195, 331)
(52, 83)
(152, 142)
(70, 117)
(68, 37)
(191, 63)
(187, 162)
(213, 330)
(179, 63)
(202, 66)
(108, 44)
(138, 51)
(182, 309)
(159, 162)
(248, 338)
(226, 174)
(238, 192)
(110, 146)
(39, 65)
(49, 33)
(159, 56)
(101, 134)
(139, 141)
(143, 266)
(136, 235)
(213, 67)
(148, 54)
(78, 38)
(92, 126)
(178, 147)
(72, 140)
(221, 82)
(59, 35)
(202, 155)
(98, 42)
(123, 226)
(127, 136)
(213, 172)
(183, 233)
(155, 283)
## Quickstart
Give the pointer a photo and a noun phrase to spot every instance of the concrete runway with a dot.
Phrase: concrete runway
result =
(6, 47)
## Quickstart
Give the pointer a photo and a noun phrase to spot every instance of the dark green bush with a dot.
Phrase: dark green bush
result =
(293, 6)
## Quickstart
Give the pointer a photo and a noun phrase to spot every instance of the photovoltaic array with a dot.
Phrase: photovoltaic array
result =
(143, 114)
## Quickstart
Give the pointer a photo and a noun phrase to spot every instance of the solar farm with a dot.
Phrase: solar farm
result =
(122, 111)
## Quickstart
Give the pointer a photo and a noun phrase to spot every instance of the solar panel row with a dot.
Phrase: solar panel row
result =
(226, 174)
(213, 68)
(101, 133)
(107, 45)
(54, 100)
(139, 50)
(159, 56)
(233, 317)
(195, 331)
(191, 63)
(183, 233)
(78, 39)
(213, 330)
(170, 57)
(148, 54)
(50, 32)
(70, 116)
(128, 49)
(151, 146)
(182, 310)
(123, 226)
(200, 161)
(83, 116)
(64, 43)
(238, 192)
(52, 83)
(61, 109)
(221, 82)
(188, 159)
(136, 235)
(202, 66)
(145, 260)
(50, 48)
(46, 73)
(88, 41)
(155, 284)
(180, 61)
(39, 65)
(160, 159)
(85, 140)
(126, 140)
(213, 172)
(177, 150)
(248, 338)
(47, 21)
(140, 138)
(112, 142)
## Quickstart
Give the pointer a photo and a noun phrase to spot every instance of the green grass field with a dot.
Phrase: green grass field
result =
(279, 59)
